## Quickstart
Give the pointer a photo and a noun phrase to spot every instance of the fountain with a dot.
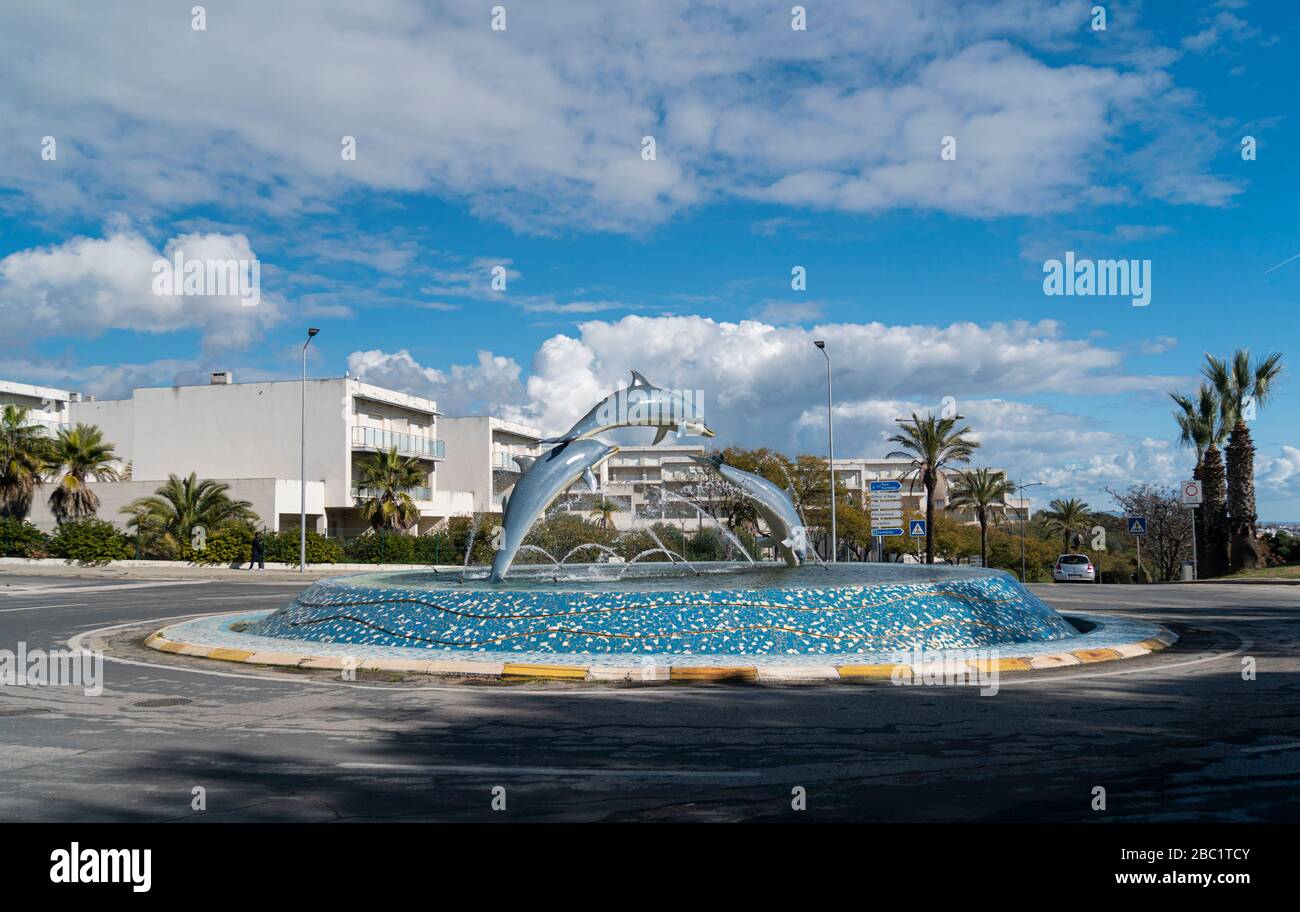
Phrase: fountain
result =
(673, 614)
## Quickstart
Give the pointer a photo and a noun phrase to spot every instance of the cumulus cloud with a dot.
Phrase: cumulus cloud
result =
(540, 126)
(489, 385)
(88, 285)
(1280, 474)
(765, 385)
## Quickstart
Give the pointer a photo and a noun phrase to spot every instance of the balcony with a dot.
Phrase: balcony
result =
(368, 438)
(363, 494)
(48, 428)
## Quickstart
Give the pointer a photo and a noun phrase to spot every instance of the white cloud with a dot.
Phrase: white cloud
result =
(88, 285)
(1280, 474)
(765, 385)
(540, 126)
(491, 384)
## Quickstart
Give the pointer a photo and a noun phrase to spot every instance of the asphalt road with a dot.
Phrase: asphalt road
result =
(1175, 736)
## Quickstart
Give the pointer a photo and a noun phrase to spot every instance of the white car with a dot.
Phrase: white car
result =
(1074, 568)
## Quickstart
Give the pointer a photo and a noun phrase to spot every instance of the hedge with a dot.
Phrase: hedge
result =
(91, 541)
(19, 538)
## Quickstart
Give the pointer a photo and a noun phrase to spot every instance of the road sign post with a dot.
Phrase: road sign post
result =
(886, 511)
(1137, 526)
(1192, 498)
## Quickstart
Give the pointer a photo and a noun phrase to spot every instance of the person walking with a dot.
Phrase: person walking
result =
(259, 552)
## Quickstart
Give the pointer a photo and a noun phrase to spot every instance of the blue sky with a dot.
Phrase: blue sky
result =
(774, 149)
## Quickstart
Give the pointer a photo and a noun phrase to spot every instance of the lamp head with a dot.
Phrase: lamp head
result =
(820, 344)
(311, 331)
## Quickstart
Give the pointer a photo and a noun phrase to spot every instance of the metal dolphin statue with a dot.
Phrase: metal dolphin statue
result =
(544, 478)
(773, 504)
(640, 405)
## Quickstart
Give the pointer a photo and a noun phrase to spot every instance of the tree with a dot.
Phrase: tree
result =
(1201, 425)
(386, 480)
(24, 456)
(79, 454)
(176, 507)
(1168, 541)
(931, 444)
(979, 490)
(1242, 388)
(606, 511)
(1068, 517)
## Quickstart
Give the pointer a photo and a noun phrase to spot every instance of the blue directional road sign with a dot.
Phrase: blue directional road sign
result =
(1137, 525)
(886, 486)
(894, 531)
(916, 528)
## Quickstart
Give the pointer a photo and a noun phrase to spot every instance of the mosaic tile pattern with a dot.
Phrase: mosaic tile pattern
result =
(950, 610)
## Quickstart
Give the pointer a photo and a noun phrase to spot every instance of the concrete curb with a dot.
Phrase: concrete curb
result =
(664, 674)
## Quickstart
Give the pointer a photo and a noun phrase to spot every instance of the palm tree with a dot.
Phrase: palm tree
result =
(24, 454)
(176, 507)
(1201, 425)
(931, 444)
(80, 454)
(385, 480)
(1068, 517)
(1238, 383)
(606, 512)
(980, 490)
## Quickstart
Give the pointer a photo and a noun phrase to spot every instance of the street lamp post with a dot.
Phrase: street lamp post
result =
(830, 438)
(302, 453)
(1024, 516)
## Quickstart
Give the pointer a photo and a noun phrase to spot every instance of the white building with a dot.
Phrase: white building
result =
(858, 473)
(47, 407)
(247, 435)
(485, 449)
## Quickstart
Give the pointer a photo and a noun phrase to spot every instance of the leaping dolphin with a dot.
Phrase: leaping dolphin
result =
(640, 405)
(773, 504)
(544, 478)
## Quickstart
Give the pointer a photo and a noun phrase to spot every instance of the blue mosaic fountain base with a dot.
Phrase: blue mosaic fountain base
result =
(767, 610)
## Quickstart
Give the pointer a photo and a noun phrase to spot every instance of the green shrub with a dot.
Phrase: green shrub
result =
(381, 548)
(284, 548)
(91, 541)
(19, 538)
(230, 545)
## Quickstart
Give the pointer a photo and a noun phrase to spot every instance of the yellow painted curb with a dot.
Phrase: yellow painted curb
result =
(166, 645)
(1155, 644)
(701, 673)
(869, 671)
(1095, 655)
(1000, 665)
(570, 672)
(229, 655)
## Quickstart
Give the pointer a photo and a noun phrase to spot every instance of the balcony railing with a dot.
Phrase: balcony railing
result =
(362, 494)
(49, 428)
(369, 438)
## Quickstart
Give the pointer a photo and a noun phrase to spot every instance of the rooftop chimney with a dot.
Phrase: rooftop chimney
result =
(221, 378)
(74, 397)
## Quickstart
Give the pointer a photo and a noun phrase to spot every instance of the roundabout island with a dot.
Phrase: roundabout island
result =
(667, 622)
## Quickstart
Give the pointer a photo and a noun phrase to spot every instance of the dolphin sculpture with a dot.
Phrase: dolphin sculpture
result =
(773, 504)
(640, 405)
(544, 478)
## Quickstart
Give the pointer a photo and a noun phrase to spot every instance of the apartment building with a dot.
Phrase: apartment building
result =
(856, 475)
(247, 435)
(485, 449)
(47, 407)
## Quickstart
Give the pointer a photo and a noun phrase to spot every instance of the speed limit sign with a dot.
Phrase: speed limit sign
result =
(1191, 493)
